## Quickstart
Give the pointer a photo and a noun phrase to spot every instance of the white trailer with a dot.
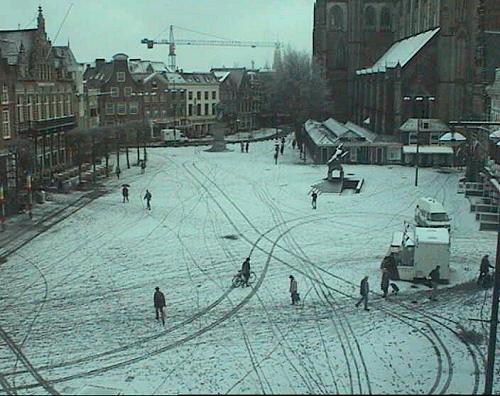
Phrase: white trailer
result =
(419, 250)
(173, 135)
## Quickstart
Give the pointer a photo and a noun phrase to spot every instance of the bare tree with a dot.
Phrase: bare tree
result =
(298, 89)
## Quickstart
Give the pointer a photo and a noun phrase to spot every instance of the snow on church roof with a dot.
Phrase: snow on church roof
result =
(401, 52)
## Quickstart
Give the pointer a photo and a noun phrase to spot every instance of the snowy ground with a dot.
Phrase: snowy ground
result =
(78, 299)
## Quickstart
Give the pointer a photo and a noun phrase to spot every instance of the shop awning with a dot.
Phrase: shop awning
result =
(446, 150)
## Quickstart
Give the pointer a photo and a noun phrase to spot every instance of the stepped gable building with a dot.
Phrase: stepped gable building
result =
(119, 95)
(239, 95)
(38, 100)
(389, 60)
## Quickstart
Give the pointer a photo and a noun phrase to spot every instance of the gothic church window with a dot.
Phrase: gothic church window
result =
(385, 19)
(370, 17)
(340, 56)
(337, 18)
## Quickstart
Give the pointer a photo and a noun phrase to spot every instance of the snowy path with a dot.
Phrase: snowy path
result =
(78, 299)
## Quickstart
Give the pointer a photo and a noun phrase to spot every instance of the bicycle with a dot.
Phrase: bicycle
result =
(238, 280)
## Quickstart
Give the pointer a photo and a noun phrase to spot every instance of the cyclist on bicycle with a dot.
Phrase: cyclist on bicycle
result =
(245, 270)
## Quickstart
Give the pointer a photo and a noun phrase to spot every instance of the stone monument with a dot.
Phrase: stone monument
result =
(219, 128)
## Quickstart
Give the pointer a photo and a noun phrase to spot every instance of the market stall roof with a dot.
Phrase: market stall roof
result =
(452, 137)
(426, 125)
(433, 149)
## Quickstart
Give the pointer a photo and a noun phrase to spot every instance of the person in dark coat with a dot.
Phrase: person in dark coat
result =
(246, 147)
(484, 268)
(282, 148)
(242, 146)
(148, 197)
(314, 199)
(245, 271)
(435, 276)
(125, 194)
(159, 302)
(364, 289)
(294, 143)
(384, 284)
(118, 171)
(276, 158)
(293, 290)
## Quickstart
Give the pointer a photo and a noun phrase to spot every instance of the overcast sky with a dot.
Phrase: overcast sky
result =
(102, 28)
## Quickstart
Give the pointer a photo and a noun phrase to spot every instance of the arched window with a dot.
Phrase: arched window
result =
(386, 19)
(341, 56)
(370, 17)
(337, 18)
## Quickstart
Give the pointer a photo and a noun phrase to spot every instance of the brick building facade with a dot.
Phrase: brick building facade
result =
(378, 52)
(39, 97)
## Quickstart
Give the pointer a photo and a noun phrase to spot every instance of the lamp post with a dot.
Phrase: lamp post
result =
(417, 151)
(2, 203)
(30, 194)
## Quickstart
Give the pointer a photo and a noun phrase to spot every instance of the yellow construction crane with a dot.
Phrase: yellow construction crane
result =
(171, 42)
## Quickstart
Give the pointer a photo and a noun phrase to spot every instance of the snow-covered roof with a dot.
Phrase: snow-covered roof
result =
(174, 78)
(426, 125)
(320, 135)
(432, 235)
(401, 52)
(221, 75)
(336, 127)
(361, 132)
(433, 149)
(495, 134)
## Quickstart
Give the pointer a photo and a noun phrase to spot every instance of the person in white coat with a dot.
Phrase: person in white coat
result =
(293, 289)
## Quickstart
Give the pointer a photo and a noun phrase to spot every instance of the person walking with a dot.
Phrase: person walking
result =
(282, 148)
(314, 199)
(125, 194)
(246, 147)
(435, 276)
(276, 158)
(242, 146)
(159, 302)
(245, 271)
(143, 166)
(293, 290)
(484, 268)
(148, 197)
(384, 284)
(364, 289)
(118, 171)
(294, 143)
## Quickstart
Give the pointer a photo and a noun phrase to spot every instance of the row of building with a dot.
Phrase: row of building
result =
(46, 93)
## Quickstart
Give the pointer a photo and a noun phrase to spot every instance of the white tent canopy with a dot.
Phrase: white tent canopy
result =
(452, 137)
(495, 135)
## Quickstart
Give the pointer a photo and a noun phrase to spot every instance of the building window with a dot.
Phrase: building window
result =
(190, 110)
(29, 106)
(190, 95)
(54, 106)
(115, 92)
(206, 95)
(69, 108)
(198, 109)
(128, 91)
(19, 107)
(38, 112)
(121, 108)
(214, 95)
(5, 94)
(370, 17)
(213, 108)
(110, 108)
(46, 107)
(206, 108)
(386, 19)
(198, 95)
(61, 105)
(5, 124)
(120, 76)
(337, 18)
(133, 107)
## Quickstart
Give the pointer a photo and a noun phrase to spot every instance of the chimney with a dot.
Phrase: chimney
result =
(99, 63)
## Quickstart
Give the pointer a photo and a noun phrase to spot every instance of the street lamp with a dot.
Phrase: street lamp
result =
(417, 152)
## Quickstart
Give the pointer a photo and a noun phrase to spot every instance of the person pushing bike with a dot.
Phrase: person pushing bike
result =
(245, 270)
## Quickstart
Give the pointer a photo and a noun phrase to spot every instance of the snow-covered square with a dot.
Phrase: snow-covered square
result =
(78, 299)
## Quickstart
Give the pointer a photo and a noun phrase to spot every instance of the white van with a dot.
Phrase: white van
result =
(430, 213)
(173, 135)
